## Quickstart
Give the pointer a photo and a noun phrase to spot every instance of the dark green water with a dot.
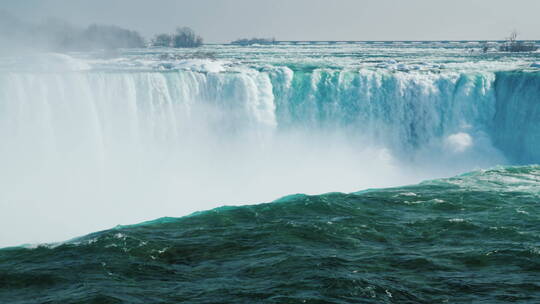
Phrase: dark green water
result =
(471, 239)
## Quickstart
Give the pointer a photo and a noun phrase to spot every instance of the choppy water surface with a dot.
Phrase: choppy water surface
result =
(470, 239)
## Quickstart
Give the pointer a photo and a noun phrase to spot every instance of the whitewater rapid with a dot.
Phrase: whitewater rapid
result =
(87, 145)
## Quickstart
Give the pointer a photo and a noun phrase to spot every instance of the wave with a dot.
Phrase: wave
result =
(459, 240)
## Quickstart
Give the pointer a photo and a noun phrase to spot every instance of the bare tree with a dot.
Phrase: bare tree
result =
(513, 37)
(186, 37)
(513, 45)
(162, 40)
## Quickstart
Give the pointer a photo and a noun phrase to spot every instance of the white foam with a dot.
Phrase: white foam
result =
(202, 65)
(459, 142)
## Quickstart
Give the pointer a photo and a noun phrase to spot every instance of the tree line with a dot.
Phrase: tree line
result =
(183, 37)
(58, 35)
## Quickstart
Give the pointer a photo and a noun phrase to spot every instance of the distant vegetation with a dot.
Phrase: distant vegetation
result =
(513, 45)
(184, 37)
(162, 40)
(252, 41)
(102, 37)
(58, 35)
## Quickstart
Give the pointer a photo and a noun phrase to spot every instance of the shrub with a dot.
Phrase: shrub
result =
(185, 37)
(162, 40)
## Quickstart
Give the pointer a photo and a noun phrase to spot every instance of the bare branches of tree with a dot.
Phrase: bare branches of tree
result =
(513, 45)
(184, 37)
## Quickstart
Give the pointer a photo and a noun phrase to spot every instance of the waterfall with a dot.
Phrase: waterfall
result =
(95, 144)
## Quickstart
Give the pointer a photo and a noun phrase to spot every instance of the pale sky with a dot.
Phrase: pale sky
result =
(226, 20)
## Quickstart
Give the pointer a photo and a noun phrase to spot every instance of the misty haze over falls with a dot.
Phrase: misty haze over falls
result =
(93, 144)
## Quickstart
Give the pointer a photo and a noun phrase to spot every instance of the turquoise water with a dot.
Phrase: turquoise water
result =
(95, 140)
(469, 239)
